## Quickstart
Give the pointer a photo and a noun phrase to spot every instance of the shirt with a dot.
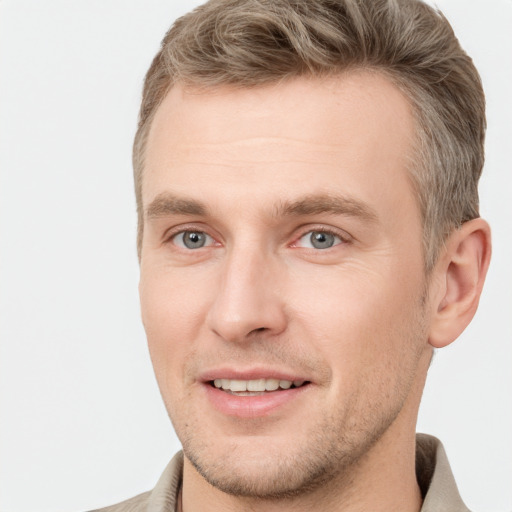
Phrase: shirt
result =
(435, 478)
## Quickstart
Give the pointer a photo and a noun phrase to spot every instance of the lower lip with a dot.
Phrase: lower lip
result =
(251, 406)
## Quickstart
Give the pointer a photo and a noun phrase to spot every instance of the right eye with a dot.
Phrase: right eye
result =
(192, 239)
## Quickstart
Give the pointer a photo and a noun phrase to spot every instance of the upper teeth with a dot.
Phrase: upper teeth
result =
(255, 385)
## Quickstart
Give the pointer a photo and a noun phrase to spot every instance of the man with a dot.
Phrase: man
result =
(306, 178)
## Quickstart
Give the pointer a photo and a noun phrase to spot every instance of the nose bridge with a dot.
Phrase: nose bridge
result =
(247, 299)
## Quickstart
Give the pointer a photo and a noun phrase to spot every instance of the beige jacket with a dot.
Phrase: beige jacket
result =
(432, 469)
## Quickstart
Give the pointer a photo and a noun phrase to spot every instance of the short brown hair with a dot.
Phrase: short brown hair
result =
(247, 43)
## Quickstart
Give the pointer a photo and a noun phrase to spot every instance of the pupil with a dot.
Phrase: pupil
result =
(321, 240)
(194, 240)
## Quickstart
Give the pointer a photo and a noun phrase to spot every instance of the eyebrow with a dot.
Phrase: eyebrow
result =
(166, 204)
(325, 203)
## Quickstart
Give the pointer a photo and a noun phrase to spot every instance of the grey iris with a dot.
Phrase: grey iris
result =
(321, 240)
(194, 239)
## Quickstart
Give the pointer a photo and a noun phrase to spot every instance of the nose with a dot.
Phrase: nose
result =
(248, 299)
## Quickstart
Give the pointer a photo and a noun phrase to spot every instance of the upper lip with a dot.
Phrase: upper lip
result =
(250, 374)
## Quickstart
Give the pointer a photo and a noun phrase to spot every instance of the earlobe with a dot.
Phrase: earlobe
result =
(461, 270)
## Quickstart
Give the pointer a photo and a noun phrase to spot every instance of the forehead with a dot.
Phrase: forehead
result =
(308, 132)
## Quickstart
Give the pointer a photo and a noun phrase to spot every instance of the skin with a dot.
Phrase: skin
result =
(257, 170)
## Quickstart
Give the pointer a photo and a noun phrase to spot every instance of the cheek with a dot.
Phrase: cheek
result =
(173, 309)
(361, 321)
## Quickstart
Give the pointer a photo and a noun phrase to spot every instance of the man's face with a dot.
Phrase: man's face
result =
(282, 247)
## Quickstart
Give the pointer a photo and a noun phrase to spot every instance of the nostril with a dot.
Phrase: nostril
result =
(259, 329)
(256, 332)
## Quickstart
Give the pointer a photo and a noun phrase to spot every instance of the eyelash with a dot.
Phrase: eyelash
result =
(171, 234)
(343, 237)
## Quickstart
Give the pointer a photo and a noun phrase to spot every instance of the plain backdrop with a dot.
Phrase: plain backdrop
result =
(82, 423)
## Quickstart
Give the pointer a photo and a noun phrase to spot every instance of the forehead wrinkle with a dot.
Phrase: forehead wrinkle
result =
(325, 203)
(166, 203)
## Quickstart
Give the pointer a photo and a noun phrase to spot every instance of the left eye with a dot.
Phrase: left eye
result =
(319, 240)
(192, 239)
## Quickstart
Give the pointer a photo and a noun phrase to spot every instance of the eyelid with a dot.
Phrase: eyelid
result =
(179, 240)
(170, 233)
(345, 237)
(342, 235)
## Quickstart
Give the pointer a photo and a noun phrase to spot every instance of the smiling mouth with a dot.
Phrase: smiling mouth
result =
(255, 387)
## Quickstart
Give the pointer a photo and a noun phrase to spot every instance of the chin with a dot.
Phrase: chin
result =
(280, 467)
(269, 476)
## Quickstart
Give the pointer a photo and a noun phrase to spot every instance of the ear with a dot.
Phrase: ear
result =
(460, 274)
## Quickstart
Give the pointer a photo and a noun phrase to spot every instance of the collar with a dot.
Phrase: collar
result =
(435, 477)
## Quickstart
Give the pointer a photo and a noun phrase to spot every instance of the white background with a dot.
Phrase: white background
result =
(82, 424)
